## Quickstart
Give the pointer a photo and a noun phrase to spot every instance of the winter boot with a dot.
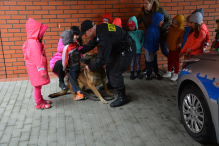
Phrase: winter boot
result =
(132, 76)
(148, 77)
(144, 70)
(167, 75)
(121, 99)
(109, 86)
(174, 77)
(158, 76)
(139, 74)
(63, 86)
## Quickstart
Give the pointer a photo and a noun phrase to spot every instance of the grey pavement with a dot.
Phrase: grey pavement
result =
(150, 119)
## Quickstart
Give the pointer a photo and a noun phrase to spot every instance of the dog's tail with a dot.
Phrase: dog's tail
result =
(54, 95)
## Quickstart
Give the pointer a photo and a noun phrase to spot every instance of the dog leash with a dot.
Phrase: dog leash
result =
(88, 96)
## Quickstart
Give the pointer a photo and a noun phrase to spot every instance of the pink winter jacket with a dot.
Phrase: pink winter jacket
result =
(34, 53)
(57, 56)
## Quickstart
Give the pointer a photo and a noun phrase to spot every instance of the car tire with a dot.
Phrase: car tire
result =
(204, 134)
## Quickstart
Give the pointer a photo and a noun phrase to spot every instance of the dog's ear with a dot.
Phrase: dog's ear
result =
(95, 55)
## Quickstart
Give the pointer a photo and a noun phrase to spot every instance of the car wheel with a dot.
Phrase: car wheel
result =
(195, 114)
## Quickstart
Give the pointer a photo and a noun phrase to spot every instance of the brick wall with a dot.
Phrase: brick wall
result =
(59, 15)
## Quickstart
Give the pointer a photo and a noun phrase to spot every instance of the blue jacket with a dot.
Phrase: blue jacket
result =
(187, 30)
(137, 35)
(153, 33)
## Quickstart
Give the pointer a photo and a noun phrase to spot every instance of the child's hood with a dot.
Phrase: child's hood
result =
(133, 18)
(157, 18)
(67, 37)
(117, 21)
(35, 29)
(180, 19)
(108, 16)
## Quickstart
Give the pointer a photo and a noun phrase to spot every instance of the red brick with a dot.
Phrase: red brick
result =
(55, 29)
(64, 16)
(40, 3)
(51, 24)
(98, 11)
(171, 4)
(25, 3)
(19, 25)
(25, 12)
(112, 2)
(91, 6)
(15, 39)
(209, 2)
(49, 16)
(34, 16)
(10, 60)
(70, 3)
(184, 12)
(22, 67)
(17, 55)
(70, 11)
(3, 12)
(5, 17)
(5, 26)
(203, 6)
(3, 22)
(77, 7)
(84, 11)
(50, 33)
(84, 2)
(18, 17)
(18, 63)
(197, 3)
(190, 8)
(33, 7)
(65, 24)
(10, 3)
(20, 34)
(125, 1)
(71, 20)
(56, 12)
(17, 7)
(63, 7)
(19, 71)
(21, 42)
(112, 10)
(41, 12)
(213, 14)
(56, 3)
(98, 2)
(48, 7)
(91, 15)
(177, 8)
(14, 30)
(56, 20)
(11, 12)
(12, 21)
(105, 6)
(4, 7)
(119, 6)
(77, 15)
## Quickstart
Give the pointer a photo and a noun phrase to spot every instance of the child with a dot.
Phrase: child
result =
(215, 43)
(117, 21)
(187, 30)
(206, 43)
(197, 36)
(71, 57)
(151, 44)
(138, 36)
(36, 61)
(107, 18)
(174, 41)
(56, 65)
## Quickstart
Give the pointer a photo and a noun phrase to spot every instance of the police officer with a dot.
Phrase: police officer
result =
(114, 45)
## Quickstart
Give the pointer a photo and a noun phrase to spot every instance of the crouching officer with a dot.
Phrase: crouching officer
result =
(114, 44)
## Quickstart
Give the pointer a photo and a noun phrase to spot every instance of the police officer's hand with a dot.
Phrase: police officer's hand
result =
(87, 68)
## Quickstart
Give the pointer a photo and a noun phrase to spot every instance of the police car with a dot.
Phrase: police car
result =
(197, 97)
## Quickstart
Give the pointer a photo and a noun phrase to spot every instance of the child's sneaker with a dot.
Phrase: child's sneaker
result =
(47, 101)
(167, 75)
(42, 106)
(175, 77)
(79, 96)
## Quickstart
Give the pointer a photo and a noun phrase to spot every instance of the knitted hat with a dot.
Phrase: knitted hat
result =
(200, 10)
(131, 23)
(197, 18)
(108, 16)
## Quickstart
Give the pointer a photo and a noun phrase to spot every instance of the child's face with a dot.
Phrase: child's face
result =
(193, 24)
(188, 24)
(76, 36)
(174, 25)
(131, 28)
(161, 23)
(105, 21)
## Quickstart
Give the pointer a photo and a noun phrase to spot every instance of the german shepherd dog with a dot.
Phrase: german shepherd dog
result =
(88, 80)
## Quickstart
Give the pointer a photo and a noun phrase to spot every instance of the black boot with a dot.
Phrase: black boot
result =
(148, 77)
(109, 86)
(121, 99)
(63, 86)
(132, 76)
(139, 74)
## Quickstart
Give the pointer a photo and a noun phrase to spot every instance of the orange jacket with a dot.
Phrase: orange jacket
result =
(175, 35)
(194, 46)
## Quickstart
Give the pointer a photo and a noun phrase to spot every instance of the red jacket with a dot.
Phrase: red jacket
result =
(34, 53)
(207, 36)
(194, 46)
